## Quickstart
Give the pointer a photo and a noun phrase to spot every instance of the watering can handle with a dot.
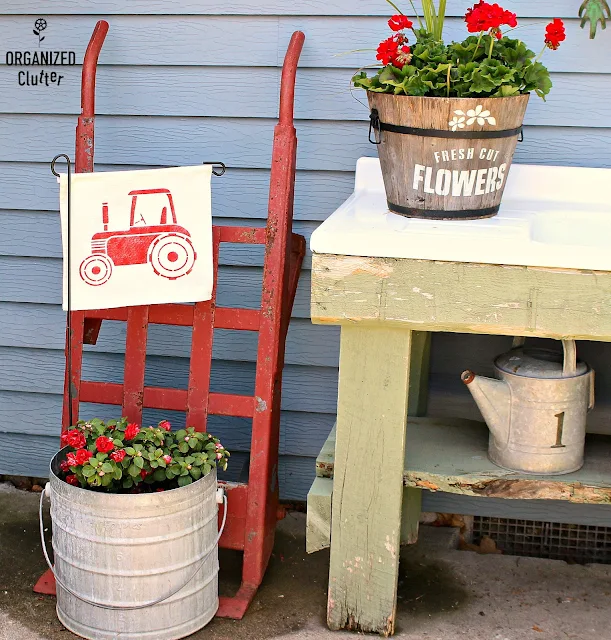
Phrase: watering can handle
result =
(569, 366)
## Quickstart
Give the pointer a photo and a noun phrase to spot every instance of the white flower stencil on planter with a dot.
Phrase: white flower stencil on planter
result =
(138, 237)
(479, 115)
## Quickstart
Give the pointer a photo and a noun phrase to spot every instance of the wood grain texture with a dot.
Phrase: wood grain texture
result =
(321, 94)
(368, 492)
(424, 194)
(241, 143)
(318, 521)
(462, 297)
(451, 456)
(543, 8)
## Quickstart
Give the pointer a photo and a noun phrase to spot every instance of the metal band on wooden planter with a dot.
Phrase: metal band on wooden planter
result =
(377, 126)
(443, 214)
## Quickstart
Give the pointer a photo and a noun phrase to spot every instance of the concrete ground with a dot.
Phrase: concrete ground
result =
(444, 594)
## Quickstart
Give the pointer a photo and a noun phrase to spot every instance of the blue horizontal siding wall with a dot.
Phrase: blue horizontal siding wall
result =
(180, 83)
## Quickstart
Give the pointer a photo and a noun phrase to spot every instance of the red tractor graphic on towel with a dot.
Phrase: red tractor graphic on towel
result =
(166, 246)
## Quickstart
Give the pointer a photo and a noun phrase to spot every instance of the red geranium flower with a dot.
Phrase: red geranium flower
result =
(387, 50)
(554, 33)
(164, 424)
(132, 431)
(167, 459)
(144, 473)
(118, 455)
(64, 466)
(71, 459)
(399, 22)
(403, 57)
(489, 17)
(73, 480)
(104, 444)
(82, 455)
(73, 438)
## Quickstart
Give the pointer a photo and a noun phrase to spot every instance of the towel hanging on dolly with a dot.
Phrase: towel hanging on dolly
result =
(138, 237)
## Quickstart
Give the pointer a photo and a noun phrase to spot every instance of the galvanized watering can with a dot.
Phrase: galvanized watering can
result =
(536, 409)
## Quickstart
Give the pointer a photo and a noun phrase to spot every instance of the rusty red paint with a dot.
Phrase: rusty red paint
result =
(253, 507)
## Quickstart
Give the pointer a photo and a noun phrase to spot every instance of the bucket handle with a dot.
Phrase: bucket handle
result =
(569, 365)
(127, 608)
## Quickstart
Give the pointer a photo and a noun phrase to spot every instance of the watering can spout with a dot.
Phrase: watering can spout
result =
(493, 399)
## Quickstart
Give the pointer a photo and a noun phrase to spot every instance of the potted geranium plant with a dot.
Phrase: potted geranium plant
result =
(446, 117)
(135, 529)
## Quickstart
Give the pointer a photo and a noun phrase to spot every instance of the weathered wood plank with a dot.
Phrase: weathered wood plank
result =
(542, 8)
(246, 143)
(368, 492)
(321, 94)
(462, 297)
(326, 458)
(318, 522)
(452, 456)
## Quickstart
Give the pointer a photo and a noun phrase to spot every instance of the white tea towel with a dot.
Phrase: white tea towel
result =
(138, 237)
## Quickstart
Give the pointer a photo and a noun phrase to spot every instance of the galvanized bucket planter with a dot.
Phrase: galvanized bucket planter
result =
(127, 553)
(445, 158)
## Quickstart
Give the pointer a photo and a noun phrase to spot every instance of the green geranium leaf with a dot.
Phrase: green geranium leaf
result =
(133, 471)
(183, 481)
(139, 462)
(159, 475)
(108, 468)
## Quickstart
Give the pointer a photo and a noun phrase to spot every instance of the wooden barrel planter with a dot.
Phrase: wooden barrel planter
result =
(445, 158)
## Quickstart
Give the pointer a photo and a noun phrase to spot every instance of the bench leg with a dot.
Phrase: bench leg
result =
(368, 478)
(418, 401)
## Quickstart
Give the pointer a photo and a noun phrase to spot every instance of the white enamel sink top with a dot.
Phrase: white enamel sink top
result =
(549, 217)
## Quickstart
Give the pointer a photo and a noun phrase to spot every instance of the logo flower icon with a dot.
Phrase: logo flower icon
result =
(39, 25)
(457, 122)
(479, 115)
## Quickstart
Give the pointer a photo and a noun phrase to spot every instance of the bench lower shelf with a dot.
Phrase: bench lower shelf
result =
(452, 456)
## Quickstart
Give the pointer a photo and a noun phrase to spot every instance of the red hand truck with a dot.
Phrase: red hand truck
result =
(253, 506)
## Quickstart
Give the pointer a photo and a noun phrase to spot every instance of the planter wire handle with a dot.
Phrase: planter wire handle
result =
(69, 278)
(117, 607)
(375, 127)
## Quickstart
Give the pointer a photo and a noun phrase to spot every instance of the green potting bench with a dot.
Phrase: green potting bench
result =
(366, 496)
